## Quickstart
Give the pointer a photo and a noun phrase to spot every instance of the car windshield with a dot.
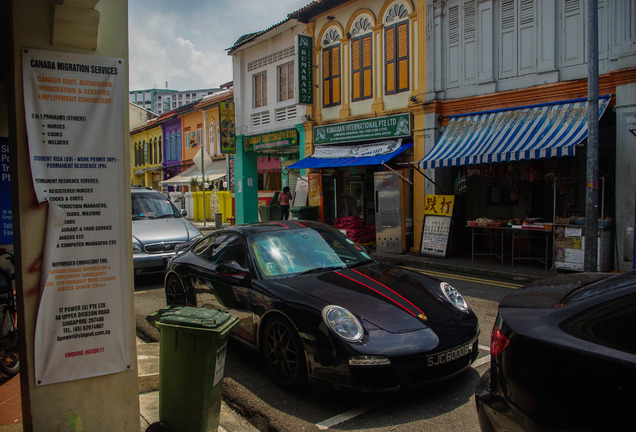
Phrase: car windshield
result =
(288, 253)
(152, 206)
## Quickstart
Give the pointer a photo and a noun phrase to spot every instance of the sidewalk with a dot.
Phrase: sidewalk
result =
(148, 367)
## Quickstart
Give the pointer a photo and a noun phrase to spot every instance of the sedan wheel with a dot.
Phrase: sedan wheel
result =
(175, 293)
(284, 354)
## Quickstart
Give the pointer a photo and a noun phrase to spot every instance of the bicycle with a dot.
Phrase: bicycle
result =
(9, 357)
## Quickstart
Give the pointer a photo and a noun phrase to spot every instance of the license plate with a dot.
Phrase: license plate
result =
(449, 356)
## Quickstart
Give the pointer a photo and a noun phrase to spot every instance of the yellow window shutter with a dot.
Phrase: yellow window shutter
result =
(355, 55)
(335, 59)
(336, 91)
(326, 64)
(390, 44)
(367, 83)
(366, 51)
(403, 41)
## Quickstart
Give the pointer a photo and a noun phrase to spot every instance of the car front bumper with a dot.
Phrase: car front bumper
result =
(404, 373)
(151, 263)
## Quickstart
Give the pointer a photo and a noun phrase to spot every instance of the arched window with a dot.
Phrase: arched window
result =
(396, 49)
(173, 147)
(331, 68)
(160, 149)
(361, 59)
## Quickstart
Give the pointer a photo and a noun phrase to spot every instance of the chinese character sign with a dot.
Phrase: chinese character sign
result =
(440, 205)
(228, 131)
(305, 70)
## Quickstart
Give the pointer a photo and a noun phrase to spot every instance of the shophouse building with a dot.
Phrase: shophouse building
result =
(209, 154)
(146, 147)
(366, 122)
(173, 147)
(505, 125)
(269, 77)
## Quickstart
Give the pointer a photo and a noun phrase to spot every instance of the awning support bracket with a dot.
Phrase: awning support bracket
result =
(400, 175)
(416, 168)
(286, 171)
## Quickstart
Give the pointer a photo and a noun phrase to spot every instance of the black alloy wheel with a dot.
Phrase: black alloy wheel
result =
(284, 354)
(175, 293)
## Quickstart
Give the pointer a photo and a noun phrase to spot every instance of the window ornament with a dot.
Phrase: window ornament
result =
(396, 13)
(332, 35)
(361, 25)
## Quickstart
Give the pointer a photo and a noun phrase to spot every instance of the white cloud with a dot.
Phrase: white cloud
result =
(184, 43)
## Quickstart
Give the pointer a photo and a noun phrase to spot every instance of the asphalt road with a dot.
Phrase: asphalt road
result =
(447, 407)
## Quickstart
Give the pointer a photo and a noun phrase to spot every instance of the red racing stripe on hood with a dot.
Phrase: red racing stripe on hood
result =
(393, 291)
(379, 292)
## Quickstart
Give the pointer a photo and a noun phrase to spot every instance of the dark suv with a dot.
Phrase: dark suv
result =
(157, 228)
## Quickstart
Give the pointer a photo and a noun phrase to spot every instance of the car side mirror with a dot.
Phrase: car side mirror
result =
(184, 213)
(231, 268)
(364, 248)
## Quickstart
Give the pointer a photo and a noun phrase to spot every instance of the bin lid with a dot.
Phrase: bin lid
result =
(188, 316)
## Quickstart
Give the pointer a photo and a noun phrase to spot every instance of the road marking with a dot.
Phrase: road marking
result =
(481, 361)
(467, 278)
(348, 415)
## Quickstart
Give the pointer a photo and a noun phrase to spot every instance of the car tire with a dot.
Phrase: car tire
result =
(175, 292)
(284, 354)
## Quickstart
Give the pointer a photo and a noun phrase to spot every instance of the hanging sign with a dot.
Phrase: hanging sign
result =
(77, 146)
(305, 70)
(228, 130)
(395, 126)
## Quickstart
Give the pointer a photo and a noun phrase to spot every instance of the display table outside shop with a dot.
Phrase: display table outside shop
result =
(496, 244)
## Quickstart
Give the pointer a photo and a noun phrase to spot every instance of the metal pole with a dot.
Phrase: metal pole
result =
(591, 190)
(203, 180)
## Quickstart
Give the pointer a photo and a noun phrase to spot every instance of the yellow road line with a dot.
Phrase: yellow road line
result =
(467, 278)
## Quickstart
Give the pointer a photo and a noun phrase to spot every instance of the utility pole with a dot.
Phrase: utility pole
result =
(591, 190)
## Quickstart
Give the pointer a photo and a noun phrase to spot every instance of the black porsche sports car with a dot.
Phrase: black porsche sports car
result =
(563, 357)
(319, 308)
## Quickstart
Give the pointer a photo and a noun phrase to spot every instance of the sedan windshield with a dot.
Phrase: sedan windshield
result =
(152, 206)
(290, 252)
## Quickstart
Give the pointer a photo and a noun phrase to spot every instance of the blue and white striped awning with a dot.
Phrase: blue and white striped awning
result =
(530, 132)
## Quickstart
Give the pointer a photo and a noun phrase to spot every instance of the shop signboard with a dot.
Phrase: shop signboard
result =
(437, 220)
(272, 140)
(395, 126)
(228, 131)
(6, 233)
(305, 90)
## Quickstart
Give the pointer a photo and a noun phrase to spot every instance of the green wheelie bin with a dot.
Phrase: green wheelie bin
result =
(306, 212)
(191, 363)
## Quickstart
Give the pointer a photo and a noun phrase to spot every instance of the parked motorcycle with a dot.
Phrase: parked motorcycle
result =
(9, 357)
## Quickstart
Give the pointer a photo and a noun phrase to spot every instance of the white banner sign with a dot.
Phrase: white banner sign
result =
(355, 151)
(75, 115)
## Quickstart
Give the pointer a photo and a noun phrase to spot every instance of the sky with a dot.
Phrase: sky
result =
(184, 43)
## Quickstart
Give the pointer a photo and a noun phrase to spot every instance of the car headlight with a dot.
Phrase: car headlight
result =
(343, 323)
(136, 247)
(454, 296)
